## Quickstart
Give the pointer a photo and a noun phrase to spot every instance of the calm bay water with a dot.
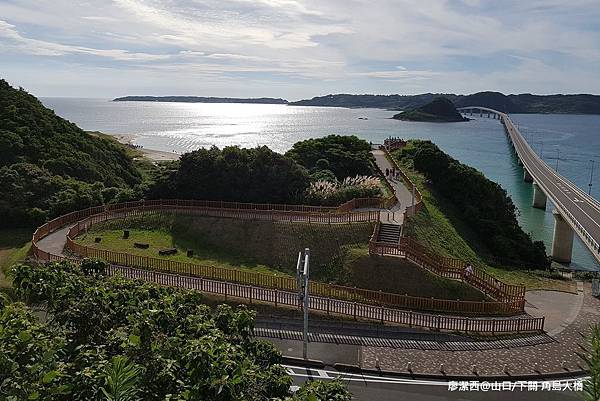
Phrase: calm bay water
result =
(573, 139)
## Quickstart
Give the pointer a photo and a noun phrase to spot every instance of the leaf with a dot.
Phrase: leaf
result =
(134, 340)
(48, 377)
(34, 396)
(25, 336)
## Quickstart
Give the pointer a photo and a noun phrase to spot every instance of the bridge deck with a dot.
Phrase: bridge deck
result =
(579, 209)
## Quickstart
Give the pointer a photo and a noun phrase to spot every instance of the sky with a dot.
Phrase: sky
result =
(298, 49)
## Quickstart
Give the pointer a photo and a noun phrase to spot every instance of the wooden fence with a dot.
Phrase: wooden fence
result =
(91, 216)
(277, 297)
(451, 268)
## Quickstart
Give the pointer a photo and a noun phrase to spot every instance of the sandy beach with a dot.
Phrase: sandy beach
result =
(156, 155)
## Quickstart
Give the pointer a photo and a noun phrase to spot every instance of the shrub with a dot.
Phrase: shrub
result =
(333, 193)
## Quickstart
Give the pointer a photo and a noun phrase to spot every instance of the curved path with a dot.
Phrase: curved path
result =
(402, 193)
(555, 357)
(569, 318)
(50, 246)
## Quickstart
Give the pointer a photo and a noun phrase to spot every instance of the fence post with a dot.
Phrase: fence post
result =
(354, 310)
(382, 313)
(328, 299)
(226, 287)
(410, 319)
(251, 288)
(276, 296)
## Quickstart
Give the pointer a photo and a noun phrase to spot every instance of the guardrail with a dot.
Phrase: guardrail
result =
(583, 233)
(85, 219)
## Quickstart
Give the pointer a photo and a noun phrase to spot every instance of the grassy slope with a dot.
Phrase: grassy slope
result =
(401, 276)
(438, 227)
(14, 246)
(339, 252)
(160, 239)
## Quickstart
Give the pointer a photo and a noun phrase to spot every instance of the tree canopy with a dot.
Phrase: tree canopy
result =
(345, 156)
(482, 204)
(110, 338)
(49, 165)
(234, 174)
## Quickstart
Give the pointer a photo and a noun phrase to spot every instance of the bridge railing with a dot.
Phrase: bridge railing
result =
(580, 229)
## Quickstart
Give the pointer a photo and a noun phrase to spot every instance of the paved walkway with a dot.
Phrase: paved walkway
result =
(558, 356)
(403, 194)
(559, 308)
(54, 242)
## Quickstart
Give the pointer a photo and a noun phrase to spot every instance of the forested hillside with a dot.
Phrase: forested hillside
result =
(49, 166)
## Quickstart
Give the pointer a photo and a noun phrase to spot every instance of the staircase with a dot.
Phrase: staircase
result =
(389, 233)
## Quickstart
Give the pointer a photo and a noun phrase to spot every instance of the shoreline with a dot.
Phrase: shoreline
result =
(152, 154)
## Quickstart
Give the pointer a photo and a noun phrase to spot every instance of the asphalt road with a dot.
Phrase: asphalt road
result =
(381, 388)
(564, 194)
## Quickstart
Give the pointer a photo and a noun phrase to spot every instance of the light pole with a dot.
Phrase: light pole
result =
(302, 268)
(591, 178)
(557, 158)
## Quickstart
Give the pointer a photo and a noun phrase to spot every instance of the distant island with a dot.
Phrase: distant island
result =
(439, 110)
(199, 99)
(523, 103)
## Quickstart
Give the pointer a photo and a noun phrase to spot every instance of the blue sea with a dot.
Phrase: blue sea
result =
(567, 142)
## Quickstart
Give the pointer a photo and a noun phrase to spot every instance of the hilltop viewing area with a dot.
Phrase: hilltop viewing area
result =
(296, 200)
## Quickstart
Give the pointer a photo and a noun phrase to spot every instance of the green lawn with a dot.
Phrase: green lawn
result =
(14, 246)
(160, 239)
(438, 226)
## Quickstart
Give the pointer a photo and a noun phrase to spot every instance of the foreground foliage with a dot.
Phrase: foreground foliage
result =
(591, 388)
(483, 205)
(118, 339)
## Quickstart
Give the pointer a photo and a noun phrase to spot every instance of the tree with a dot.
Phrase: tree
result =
(126, 340)
(345, 156)
(591, 388)
(234, 174)
(482, 204)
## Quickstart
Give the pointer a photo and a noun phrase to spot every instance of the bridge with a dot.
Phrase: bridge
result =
(575, 211)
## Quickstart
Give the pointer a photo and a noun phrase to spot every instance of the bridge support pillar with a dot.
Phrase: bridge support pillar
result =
(526, 176)
(539, 197)
(562, 242)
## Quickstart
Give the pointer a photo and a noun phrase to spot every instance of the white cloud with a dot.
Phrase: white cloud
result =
(45, 48)
(315, 46)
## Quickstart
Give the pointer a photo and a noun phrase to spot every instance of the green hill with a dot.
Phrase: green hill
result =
(439, 110)
(49, 166)
(522, 103)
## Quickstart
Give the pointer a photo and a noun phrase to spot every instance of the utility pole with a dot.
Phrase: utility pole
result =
(591, 178)
(302, 274)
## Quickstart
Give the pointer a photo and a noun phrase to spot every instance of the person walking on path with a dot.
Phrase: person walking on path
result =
(387, 172)
(468, 271)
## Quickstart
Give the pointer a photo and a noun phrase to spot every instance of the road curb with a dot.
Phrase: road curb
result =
(414, 375)
(309, 363)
